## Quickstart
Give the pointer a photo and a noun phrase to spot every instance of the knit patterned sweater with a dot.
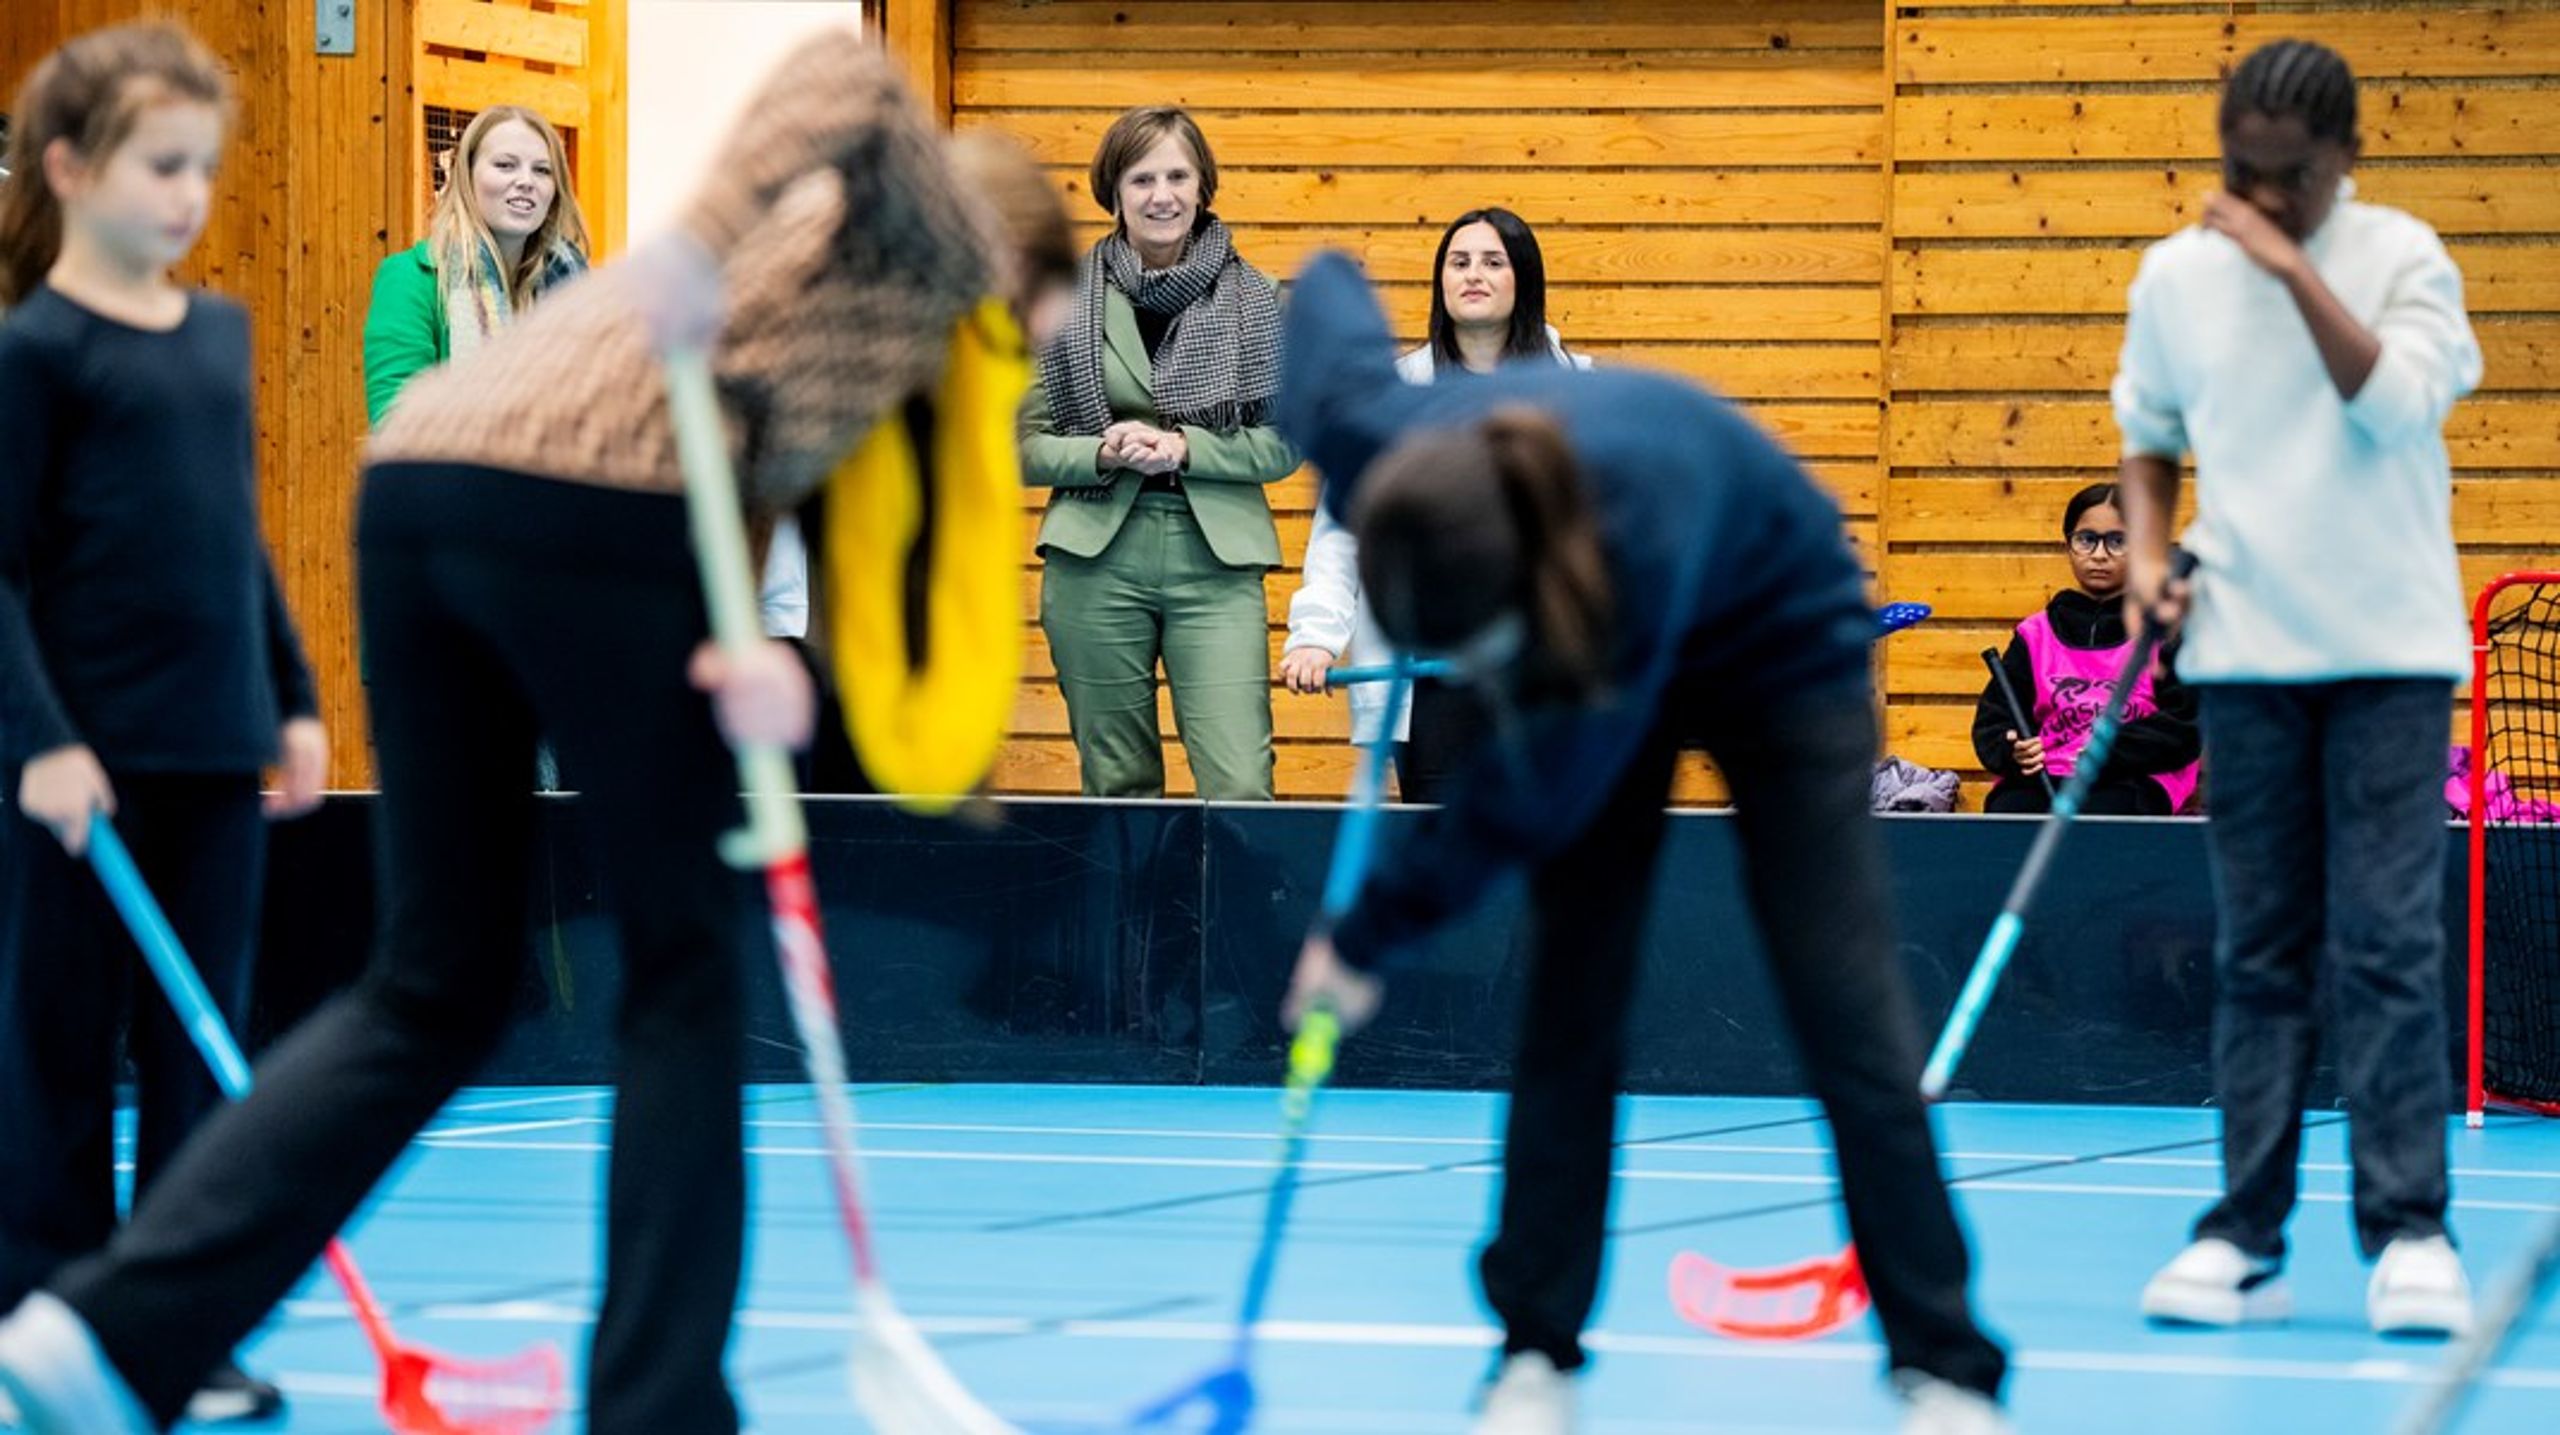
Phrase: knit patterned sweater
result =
(848, 251)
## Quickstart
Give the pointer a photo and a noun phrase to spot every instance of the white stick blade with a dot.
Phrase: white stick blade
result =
(901, 1386)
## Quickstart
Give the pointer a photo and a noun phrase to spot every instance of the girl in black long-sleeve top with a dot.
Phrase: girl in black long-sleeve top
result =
(148, 667)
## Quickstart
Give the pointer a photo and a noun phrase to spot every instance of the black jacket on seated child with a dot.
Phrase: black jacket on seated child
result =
(2152, 769)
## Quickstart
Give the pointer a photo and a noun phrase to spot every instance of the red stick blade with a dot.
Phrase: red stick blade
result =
(1798, 1302)
(428, 1393)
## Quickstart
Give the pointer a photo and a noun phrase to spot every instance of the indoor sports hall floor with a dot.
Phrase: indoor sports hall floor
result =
(1073, 1250)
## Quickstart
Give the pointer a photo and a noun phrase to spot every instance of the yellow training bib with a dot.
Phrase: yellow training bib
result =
(928, 732)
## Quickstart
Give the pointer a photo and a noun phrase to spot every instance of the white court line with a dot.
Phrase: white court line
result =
(1134, 1132)
(2198, 1193)
(1479, 1168)
(2459, 1173)
(468, 1138)
(993, 1158)
(514, 1103)
(1634, 1142)
(509, 1128)
(1417, 1336)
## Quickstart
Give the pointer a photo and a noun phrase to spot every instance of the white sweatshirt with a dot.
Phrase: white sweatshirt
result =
(2324, 526)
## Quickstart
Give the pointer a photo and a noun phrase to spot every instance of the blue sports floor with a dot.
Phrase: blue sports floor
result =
(1073, 1250)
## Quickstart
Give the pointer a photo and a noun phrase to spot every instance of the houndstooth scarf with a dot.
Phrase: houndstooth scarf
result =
(1219, 365)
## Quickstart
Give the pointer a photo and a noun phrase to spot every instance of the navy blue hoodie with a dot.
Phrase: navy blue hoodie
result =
(1727, 565)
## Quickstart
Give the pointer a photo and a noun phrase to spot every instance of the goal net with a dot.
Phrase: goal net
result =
(2513, 798)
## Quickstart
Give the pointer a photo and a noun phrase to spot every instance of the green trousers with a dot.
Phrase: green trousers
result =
(1158, 593)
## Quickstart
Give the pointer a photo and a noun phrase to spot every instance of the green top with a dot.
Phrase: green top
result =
(404, 330)
(1223, 476)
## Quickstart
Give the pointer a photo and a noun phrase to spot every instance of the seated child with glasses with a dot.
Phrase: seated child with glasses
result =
(2060, 662)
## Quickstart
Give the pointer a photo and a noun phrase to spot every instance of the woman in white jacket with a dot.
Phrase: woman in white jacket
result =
(1489, 309)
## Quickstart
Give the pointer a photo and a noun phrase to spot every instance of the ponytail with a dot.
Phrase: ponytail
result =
(88, 94)
(1458, 527)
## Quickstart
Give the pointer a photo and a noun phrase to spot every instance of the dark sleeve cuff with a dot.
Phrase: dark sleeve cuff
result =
(33, 736)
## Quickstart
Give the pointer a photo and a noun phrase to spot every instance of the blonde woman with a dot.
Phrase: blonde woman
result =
(505, 231)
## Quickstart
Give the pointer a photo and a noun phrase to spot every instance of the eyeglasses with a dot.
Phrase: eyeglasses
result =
(2088, 541)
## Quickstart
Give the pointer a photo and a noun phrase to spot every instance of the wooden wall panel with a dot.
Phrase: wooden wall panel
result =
(1707, 180)
(1900, 232)
(2037, 147)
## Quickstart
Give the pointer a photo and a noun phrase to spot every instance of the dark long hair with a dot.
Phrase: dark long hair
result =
(1527, 337)
(1460, 526)
(2085, 500)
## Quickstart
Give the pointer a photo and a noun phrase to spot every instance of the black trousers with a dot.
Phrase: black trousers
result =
(2327, 842)
(1814, 869)
(495, 606)
(2110, 797)
(1447, 724)
(71, 980)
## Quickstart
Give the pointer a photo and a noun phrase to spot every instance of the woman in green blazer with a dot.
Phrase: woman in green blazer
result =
(1152, 425)
(506, 229)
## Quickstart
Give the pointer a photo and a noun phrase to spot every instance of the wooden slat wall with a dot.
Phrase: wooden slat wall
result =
(2037, 148)
(1708, 182)
(1901, 234)
(313, 185)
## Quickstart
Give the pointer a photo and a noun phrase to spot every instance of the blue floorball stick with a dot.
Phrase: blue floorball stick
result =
(151, 931)
(1407, 669)
(423, 1392)
(1227, 1392)
(2002, 941)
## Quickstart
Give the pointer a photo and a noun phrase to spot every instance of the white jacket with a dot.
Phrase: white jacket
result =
(1328, 612)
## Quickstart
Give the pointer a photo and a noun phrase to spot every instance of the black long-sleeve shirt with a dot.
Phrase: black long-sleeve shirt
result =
(2158, 742)
(138, 611)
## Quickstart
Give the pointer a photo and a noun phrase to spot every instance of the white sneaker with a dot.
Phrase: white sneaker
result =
(1931, 1406)
(2214, 1282)
(51, 1366)
(1529, 1397)
(2418, 1289)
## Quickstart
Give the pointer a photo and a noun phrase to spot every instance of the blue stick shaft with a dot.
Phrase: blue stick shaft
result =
(1312, 1059)
(159, 942)
(1275, 1219)
(1979, 984)
(1389, 672)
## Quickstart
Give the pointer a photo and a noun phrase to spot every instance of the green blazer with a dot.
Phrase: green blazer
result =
(1223, 477)
(404, 330)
